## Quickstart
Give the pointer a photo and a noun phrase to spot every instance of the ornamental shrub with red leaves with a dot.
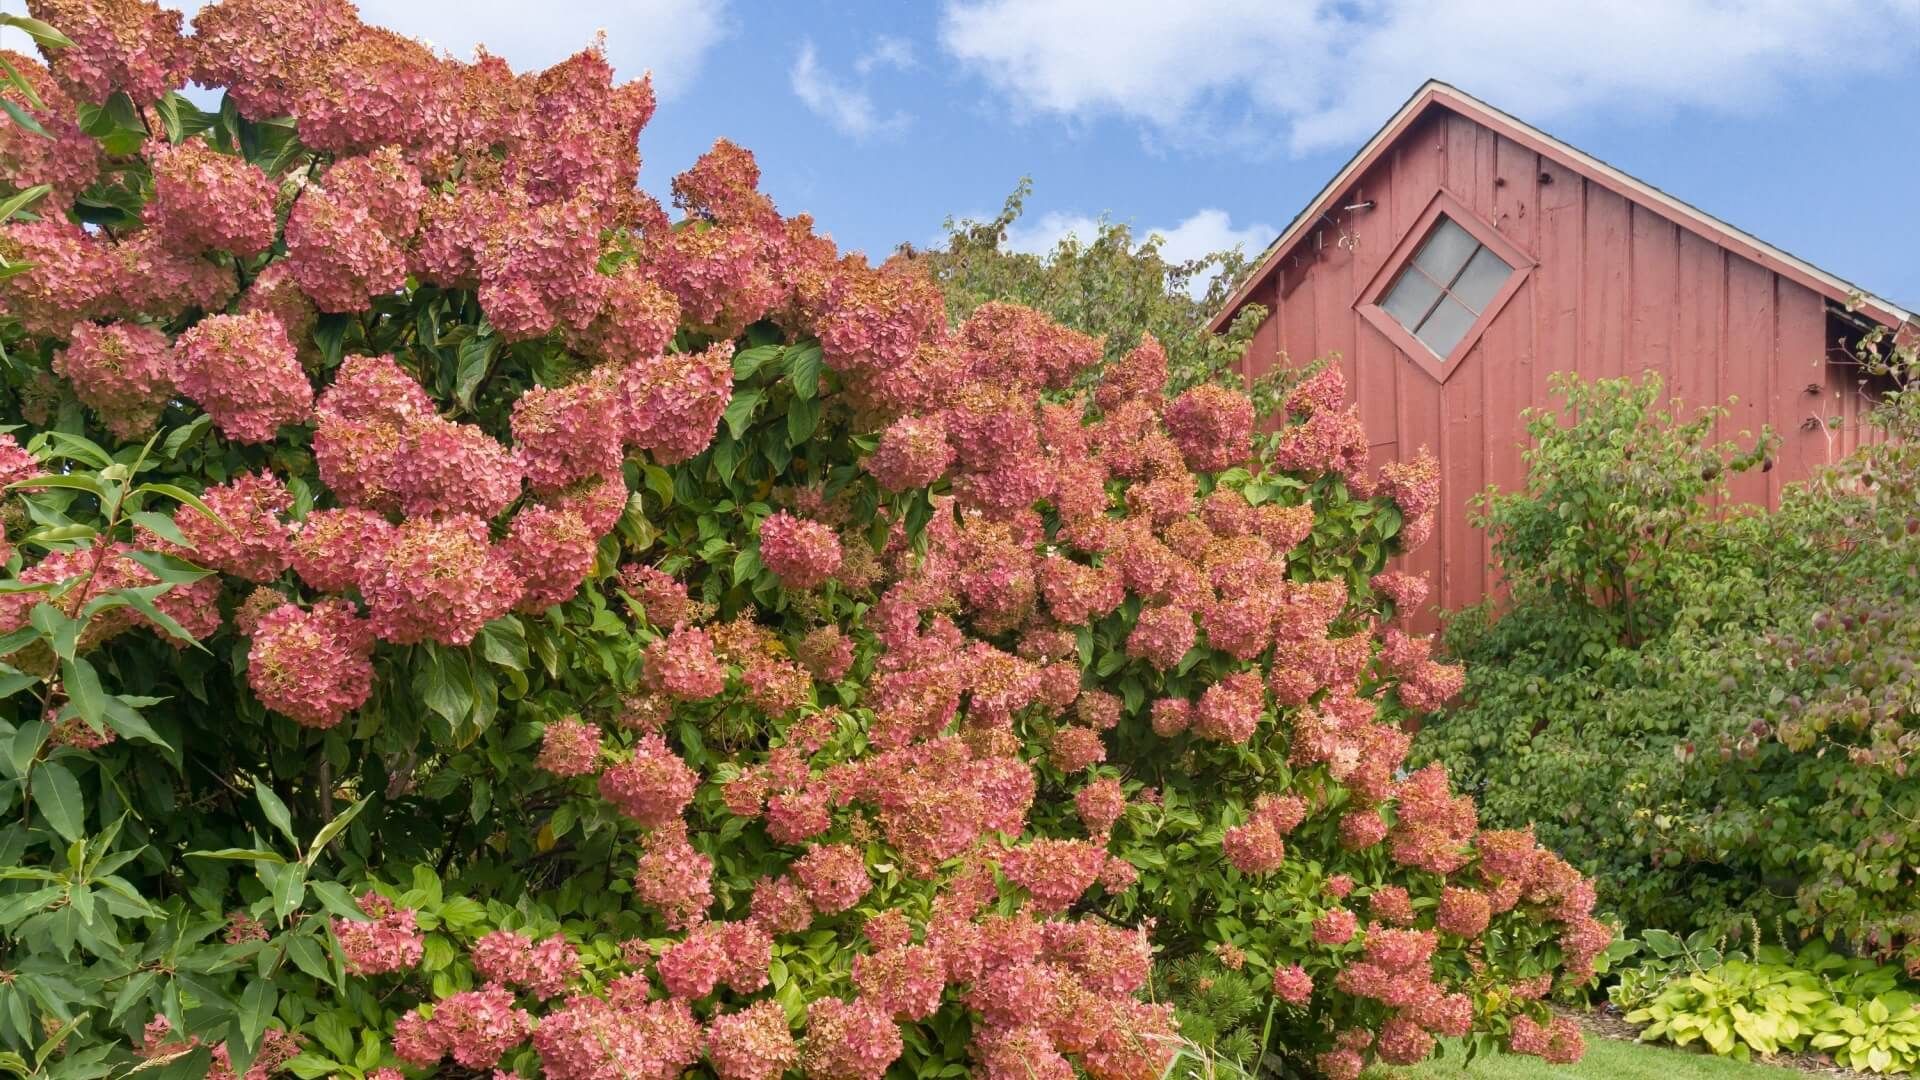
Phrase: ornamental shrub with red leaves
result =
(461, 615)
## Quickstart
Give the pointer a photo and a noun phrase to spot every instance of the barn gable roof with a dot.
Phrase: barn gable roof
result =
(1439, 95)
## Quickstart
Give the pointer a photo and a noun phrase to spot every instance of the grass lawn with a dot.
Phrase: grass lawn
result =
(1607, 1059)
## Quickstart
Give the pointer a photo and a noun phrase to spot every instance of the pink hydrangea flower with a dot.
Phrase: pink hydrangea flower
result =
(1054, 872)
(802, 554)
(245, 373)
(1162, 636)
(1335, 927)
(913, 453)
(1230, 710)
(204, 199)
(315, 665)
(1213, 426)
(1254, 848)
(1100, 804)
(438, 579)
(683, 665)
(752, 1044)
(849, 1040)
(551, 551)
(122, 371)
(249, 541)
(673, 878)
(653, 786)
(333, 548)
(589, 1039)
(834, 877)
(569, 747)
(388, 942)
(1464, 912)
(1292, 984)
(562, 435)
(905, 980)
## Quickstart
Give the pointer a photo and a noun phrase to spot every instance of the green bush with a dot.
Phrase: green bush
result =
(1711, 708)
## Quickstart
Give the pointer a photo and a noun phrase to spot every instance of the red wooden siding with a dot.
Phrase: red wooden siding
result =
(1619, 288)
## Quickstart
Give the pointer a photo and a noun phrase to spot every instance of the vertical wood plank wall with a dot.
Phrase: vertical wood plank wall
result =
(1618, 289)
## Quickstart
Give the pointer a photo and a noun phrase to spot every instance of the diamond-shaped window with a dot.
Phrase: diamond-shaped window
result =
(1443, 284)
(1446, 287)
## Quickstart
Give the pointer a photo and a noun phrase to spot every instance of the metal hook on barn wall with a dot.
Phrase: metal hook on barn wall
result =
(1347, 239)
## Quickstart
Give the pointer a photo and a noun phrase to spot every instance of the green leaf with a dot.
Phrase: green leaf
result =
(804, 367)
(128, 723)
(276, 811)
(82, 684)
(22, 200)
(59, 1038)
(234, 854)
(308, 956)
(740, 411)
(256, 1008)
(311, 1066)
(24, 119)
(335, 898)
(40, 32)
(13, 680)
(132, 992)
(476, 359)
(179, 438)
(20, 84)
(71, 481)
(25, 745)
(16, 907)
(170, 569)
(746, 565)
(803, 416)
(57, 794)
(334, 828)
(174, 491)
(748, 361)
(1664, 945)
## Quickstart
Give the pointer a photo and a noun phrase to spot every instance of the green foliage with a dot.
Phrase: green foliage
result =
(1107, 285)
(1611, 519)
(1711, 710)
(1221, 1011)
(1774, 1002)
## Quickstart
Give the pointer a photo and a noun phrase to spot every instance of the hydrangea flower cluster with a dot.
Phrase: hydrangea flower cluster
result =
(388, 942)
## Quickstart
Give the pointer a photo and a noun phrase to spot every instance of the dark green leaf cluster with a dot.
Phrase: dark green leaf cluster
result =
(1712, 710)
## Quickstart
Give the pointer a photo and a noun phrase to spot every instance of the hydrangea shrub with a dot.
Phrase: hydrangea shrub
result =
(460, 616)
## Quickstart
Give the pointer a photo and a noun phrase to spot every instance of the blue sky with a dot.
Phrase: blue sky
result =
(1215, 120)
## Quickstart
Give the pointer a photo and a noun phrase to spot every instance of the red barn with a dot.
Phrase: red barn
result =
(1462, 256)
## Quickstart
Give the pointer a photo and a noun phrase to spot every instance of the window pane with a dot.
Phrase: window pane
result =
(1446, 251)
(1445, 327)
(1481, 279)
(1410, 298)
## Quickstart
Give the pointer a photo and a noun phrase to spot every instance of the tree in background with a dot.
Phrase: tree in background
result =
(1108, 285)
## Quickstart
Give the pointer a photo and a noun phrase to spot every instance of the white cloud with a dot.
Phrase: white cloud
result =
(1202, 233)
(1211, 70)
(669, 37)
(847, 105)
(887, 52)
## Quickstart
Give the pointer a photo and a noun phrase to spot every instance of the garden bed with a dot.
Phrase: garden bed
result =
(1614, 1052)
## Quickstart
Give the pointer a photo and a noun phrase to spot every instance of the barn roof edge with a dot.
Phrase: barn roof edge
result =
(1437, 94)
